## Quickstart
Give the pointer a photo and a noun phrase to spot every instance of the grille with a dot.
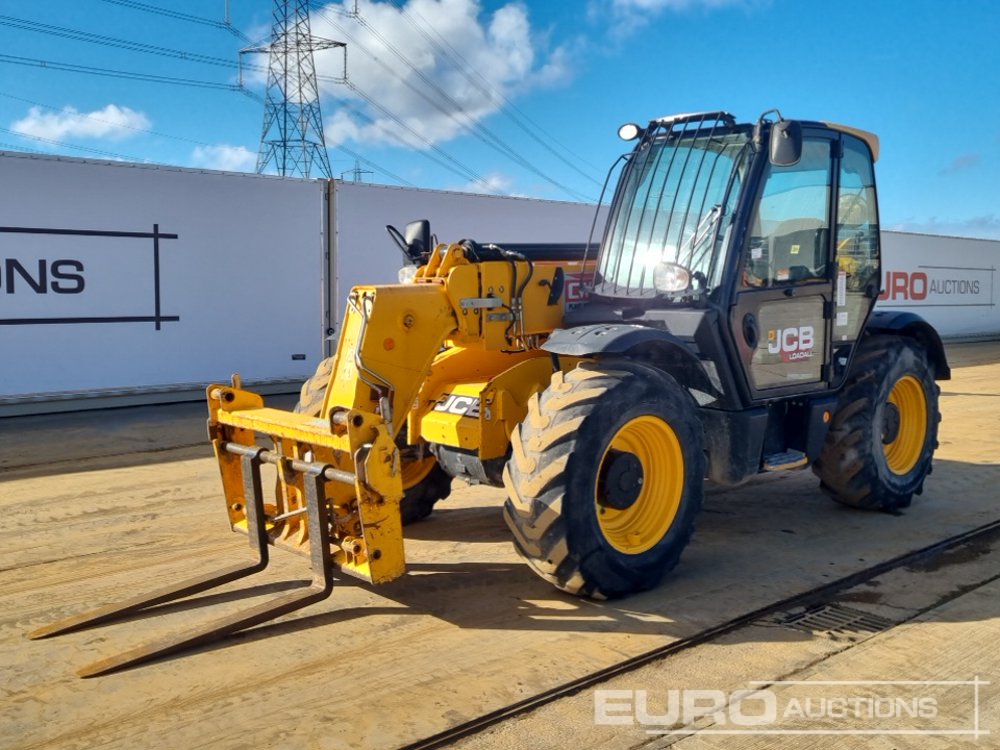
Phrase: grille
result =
(836, 619)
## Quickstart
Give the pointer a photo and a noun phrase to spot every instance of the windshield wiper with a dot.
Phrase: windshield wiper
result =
(705, 230)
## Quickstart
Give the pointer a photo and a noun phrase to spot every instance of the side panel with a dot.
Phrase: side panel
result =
(121, 278)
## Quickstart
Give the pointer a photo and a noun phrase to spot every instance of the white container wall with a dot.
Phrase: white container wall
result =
(123, 278)
(123, 281)
(149, 282)
(950, 281)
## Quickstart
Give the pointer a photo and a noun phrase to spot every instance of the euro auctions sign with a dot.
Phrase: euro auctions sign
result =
(938, 285)
(951, 282)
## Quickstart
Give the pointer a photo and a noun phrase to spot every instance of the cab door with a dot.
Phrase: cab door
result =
(781, 313)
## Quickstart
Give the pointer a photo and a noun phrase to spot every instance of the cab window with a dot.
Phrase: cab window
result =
(790, 228)
(857, 240)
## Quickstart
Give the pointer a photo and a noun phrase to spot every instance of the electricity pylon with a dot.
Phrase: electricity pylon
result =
(292, 140)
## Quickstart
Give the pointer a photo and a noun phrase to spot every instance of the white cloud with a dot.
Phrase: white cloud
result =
(464, 62)
(225, 157)
(627, 16)
(493, 183)
(112, 123)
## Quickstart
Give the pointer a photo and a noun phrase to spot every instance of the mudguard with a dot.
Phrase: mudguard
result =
(653, 345)
(904, 323)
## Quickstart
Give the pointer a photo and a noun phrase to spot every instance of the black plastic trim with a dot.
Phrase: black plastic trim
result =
(905, 323)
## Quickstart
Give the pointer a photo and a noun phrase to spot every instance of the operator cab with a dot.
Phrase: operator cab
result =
(756, 245)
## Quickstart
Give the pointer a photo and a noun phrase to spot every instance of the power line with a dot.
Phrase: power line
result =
(63, 144)
(452, 164)
(463, 171)
(367, 162)
(376, 167)
(19, 148)
(461, 64)
(224, 25)
(70, 67)
(476, 129)
(110, 41)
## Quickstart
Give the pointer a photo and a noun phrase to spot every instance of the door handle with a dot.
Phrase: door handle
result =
(751, 333)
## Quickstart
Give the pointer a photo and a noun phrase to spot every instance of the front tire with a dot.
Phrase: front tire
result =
(881, 442)
(605, 478)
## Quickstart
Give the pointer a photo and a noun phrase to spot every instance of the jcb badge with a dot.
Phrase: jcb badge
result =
(463, 406)
(791, 343)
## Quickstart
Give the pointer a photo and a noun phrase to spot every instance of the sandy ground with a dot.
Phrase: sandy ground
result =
(102, 504)
(927, 624)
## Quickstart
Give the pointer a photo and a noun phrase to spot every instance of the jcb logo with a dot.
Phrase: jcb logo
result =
(791, 343)
(462, 406)
(576, 288)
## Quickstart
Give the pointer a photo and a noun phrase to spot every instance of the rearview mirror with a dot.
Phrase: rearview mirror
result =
(418, 239)
(786, 143)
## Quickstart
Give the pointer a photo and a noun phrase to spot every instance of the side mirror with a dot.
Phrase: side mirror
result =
(418, 239)
(786, 143)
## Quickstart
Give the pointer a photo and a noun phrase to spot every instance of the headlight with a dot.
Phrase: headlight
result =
(407, 274)
(670, 277)
(629, 131)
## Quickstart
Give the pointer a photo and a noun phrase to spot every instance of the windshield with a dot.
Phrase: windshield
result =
(668, 208)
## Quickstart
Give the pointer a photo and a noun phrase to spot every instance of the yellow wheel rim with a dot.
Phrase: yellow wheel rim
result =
(903, 450)
(414, 472)
(654, 498)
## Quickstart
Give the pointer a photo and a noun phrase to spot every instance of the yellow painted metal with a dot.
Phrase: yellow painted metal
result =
(390, 336)
(639, 527)
(903, 453)
(503, 383)
(461, 327)
(459, 364)
(505, 400)
(459, 428)
(365, 519)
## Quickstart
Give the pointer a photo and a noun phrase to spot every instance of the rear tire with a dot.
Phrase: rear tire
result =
(424, 481)
(605, 478)
(882, 438)
(314, 390)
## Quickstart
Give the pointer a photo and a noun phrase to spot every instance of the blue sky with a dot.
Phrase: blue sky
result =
(524, 98)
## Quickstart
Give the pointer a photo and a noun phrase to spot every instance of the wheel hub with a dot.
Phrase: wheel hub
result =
(890, 423)
(620, 482)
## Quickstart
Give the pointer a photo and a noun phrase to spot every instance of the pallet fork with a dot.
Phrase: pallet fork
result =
(314, 477)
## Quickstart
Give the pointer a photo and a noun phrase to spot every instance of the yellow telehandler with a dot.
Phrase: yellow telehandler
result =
(723, 327)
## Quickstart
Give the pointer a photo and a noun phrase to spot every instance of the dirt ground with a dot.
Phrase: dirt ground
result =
(98, 505)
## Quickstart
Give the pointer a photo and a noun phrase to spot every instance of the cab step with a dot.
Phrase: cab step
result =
(785, 460)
